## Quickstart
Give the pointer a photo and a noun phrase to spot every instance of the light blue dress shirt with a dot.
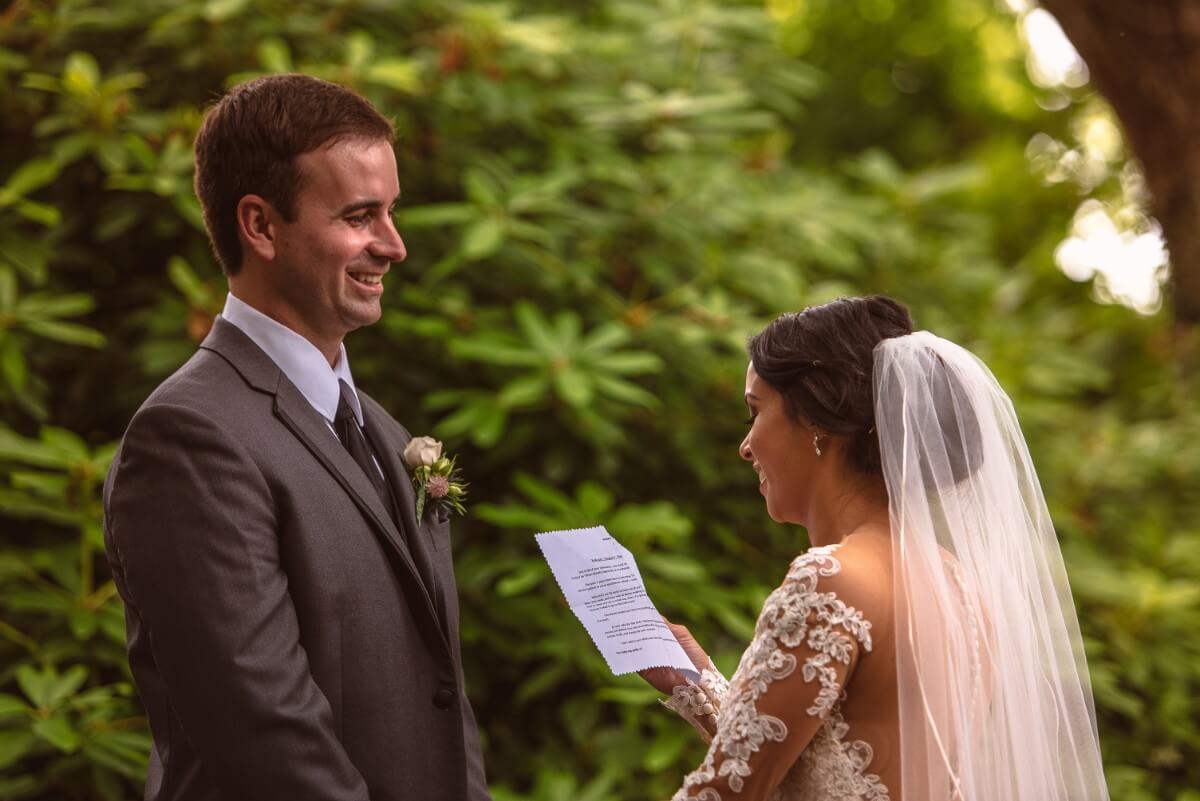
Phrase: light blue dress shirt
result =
(298, 358)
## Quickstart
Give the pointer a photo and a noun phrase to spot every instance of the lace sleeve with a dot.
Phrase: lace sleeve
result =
(806, 645)
(700, 704)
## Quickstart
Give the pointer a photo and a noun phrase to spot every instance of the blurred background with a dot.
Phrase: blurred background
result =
(602, 200)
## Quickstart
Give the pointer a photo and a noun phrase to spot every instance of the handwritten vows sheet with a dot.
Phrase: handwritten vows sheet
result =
(604, 589)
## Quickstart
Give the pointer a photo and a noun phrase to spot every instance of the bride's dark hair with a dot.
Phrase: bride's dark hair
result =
(821, 359)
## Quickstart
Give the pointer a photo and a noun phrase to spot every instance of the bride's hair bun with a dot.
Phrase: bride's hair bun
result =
(820, 360)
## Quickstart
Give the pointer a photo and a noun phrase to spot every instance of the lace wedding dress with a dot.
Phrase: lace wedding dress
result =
(779, 729)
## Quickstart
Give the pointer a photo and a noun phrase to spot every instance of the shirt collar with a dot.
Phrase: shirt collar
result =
(298, 358)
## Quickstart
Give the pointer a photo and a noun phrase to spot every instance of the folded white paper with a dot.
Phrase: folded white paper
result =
(604, 589)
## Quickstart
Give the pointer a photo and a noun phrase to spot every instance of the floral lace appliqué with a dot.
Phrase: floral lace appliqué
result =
(832, 768)
(795, 614)
(699, 704)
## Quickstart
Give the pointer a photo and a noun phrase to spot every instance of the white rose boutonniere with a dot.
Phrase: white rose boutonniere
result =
(434, 476)
(422, 452)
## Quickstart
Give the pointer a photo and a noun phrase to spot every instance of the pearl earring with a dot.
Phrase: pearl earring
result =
(817, 443)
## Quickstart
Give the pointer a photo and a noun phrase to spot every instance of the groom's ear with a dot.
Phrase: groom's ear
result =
(257, 222)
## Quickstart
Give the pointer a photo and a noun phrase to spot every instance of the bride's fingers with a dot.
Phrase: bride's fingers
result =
(684, 636)
(690, 647)
(662, 679)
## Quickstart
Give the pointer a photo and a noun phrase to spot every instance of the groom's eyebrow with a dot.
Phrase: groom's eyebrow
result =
(363, 205)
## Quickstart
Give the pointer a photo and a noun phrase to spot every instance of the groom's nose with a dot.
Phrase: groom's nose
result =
(388, 245)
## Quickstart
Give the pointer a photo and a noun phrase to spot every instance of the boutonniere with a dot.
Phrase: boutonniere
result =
(434, 477)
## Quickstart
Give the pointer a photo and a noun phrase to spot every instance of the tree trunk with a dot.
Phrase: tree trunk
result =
(1144, 56)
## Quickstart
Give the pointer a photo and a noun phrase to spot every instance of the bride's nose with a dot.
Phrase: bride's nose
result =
(744, 449)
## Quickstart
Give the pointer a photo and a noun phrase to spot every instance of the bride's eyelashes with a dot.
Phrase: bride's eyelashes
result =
(750, 420)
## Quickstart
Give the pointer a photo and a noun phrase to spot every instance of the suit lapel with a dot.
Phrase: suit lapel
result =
(393, 468)
(294, 410)
(298, 415)
(402, 488)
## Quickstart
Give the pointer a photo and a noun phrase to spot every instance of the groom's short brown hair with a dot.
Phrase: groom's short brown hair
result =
(251, 137)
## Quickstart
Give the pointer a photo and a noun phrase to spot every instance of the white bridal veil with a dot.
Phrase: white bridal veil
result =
(995, 701)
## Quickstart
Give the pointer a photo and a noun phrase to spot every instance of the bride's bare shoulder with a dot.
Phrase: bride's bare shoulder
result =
(869, 544)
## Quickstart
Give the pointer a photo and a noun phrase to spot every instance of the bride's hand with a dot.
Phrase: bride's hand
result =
(665, 679)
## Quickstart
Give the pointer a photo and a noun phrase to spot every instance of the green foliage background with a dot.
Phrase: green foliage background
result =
(603, 199)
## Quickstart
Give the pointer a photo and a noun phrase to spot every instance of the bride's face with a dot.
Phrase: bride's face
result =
(780, 450)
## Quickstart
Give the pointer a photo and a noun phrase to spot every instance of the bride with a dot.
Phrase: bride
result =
(925, 647)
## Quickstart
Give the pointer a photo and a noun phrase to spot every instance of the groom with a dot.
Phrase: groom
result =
(292, 626)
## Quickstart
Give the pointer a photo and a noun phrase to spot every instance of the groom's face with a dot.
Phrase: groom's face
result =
(334, 255)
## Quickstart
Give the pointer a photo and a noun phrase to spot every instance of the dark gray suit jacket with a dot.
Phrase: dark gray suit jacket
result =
(280, 634)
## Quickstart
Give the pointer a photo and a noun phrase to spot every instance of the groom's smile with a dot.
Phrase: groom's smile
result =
(369, 281)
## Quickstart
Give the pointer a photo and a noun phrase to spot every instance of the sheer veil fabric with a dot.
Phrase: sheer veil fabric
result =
(995, 700)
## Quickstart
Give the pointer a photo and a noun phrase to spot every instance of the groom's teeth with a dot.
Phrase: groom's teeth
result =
(366, 278)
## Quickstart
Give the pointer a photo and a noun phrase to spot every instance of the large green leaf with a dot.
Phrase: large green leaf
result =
(14, 744)
(13, 708)
(57, 731)
(68, 333)
(29, 177)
